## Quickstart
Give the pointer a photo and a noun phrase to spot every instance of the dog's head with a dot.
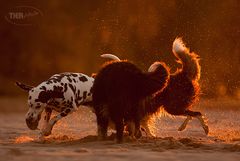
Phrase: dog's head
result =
(37, 100)
(35, 110)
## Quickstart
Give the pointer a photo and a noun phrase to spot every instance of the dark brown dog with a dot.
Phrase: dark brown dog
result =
(182, 91)
(118, 90)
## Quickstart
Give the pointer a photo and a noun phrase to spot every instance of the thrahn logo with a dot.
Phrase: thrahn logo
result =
(24, 15)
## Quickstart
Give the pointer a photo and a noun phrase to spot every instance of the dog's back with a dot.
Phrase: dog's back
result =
(183, 88)
(117, 84)
(123, 83)
(180, 94)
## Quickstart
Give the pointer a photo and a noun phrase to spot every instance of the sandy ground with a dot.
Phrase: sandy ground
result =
(74, 137)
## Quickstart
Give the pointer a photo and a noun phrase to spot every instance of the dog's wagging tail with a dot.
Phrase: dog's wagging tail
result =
(24, 86)
(182, 91)
(189, 60)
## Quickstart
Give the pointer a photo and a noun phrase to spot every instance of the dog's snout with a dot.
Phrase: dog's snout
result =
(29, 119)
(32, 123)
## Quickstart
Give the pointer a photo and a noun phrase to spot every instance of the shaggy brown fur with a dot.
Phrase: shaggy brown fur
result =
(183, 88)
(118, 90)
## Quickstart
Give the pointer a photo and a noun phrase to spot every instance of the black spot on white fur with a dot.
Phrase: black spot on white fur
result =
(83, 79)
(43, 88)
(84, 95)
(61, 92)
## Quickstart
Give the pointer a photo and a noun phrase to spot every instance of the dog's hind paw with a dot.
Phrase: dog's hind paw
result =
(182, 127)
(184, 124)
(203, 122)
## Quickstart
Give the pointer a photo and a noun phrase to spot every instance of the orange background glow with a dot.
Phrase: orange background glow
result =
(70, 35)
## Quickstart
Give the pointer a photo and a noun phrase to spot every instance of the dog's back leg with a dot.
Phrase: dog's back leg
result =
(47, 131)
(102, 122)
(184, 124)
(196, 114)
(203, 123)
(138, 132)
(134, 129)
(119, 128)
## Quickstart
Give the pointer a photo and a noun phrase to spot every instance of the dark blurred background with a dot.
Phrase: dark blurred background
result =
(69, 36)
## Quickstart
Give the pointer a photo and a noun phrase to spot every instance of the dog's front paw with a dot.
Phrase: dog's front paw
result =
(40, 138)
(46, 131)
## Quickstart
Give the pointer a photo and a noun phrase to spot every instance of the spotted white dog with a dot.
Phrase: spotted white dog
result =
(63, 93)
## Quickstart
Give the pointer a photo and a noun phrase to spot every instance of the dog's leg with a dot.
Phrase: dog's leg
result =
(48, 112)
(47, 131)
(203, 123)
(184, 124)
(102, 127)
(138, 132)
(119, 128)
(199, 116)
(102, 121)
(131, 128)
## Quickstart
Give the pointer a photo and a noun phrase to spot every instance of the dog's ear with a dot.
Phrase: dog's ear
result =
(94, 75)
(24, 86)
